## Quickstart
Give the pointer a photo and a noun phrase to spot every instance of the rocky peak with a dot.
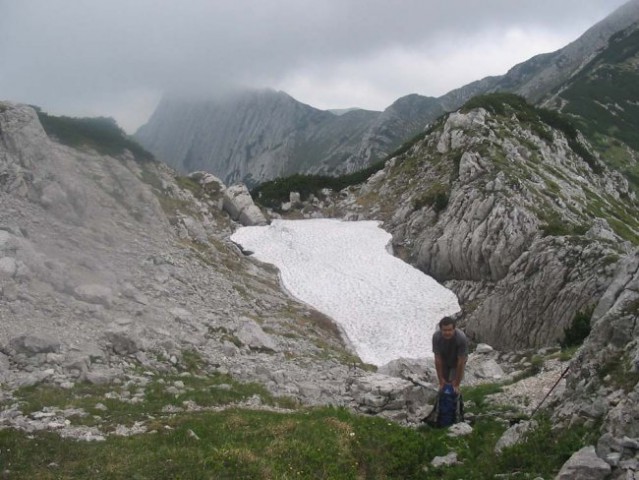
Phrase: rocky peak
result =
(254, 136)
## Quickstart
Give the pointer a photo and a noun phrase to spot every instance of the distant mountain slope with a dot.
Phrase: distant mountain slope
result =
(604, 96)
(262, 134)
(535, 78)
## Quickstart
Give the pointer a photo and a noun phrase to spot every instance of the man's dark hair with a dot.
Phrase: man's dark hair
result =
(446, 321)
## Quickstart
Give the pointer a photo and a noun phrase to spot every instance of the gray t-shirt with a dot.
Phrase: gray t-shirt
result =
(450, 350)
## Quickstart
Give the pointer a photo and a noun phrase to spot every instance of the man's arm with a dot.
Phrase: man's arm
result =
(439, 366)
(459, 372)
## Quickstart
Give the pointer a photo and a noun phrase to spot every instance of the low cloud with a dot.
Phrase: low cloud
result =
(117, 58)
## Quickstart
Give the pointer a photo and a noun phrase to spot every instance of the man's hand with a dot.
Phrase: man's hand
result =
(456, 388)
(441, 385)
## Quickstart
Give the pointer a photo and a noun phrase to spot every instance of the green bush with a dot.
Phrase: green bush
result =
(578, 330)
(436, 197)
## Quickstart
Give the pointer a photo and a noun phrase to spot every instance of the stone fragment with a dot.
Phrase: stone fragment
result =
(445, 461)
(8, 267)
(514, 435)
(94, 293)
(123, 341)
(32, 345)
(252, 335)
(392, 397)
(459, 430)
(484, 348)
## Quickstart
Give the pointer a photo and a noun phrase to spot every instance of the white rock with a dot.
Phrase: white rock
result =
(252, 335)
(8, 267)
(484, 348)
(239, 205)
(445, 461)
(459, 430)
(514, 435)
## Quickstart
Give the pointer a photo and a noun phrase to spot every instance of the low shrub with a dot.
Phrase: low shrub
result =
(579, 329)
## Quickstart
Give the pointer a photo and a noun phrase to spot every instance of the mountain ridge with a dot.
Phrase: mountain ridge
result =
(331, 147)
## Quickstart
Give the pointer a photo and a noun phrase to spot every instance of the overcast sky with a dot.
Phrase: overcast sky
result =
(117, 57)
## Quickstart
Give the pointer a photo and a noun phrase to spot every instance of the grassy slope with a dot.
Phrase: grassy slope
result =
(235, 443)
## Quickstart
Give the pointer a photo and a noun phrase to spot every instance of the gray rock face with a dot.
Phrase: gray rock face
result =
(613, 341)
(584, 465)
(254, 136)
(116, 266)
(486, 205)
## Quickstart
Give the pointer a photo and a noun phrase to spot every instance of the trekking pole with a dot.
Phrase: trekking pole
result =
(563, 374)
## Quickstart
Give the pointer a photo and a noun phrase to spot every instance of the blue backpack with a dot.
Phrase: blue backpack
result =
(449, 408)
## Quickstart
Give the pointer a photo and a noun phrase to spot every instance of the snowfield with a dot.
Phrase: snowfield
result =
(387, 308)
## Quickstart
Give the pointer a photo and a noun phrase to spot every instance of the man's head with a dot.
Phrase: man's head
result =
(447, 327)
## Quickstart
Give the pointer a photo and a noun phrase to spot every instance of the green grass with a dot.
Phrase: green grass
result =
(310, 443)
(324, 443)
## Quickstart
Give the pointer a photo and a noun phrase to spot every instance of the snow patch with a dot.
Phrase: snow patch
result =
(387, 308)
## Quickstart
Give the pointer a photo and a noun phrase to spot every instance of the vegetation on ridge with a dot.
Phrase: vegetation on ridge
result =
(100, 133)
(537, 119)
(274, 192)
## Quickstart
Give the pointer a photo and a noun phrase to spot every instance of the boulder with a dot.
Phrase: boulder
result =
(483, 367)
(122, 341)
(459, 430)
(206, 178)
(445, 461)
(484, 348)
(32, 345)
(252, 335)
(392, 397)
(8, 267)
(94, 293)
(514, 435)
(584, 465)
(416, 370)
(237, 202)
(252, 215)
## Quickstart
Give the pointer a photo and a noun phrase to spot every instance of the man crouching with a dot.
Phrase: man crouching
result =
(450, 347)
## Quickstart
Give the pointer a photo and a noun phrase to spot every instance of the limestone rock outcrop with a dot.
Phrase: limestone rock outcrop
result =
(505, 213)
(111, 262)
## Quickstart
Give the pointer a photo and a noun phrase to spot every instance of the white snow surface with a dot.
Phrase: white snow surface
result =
(387, 308)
